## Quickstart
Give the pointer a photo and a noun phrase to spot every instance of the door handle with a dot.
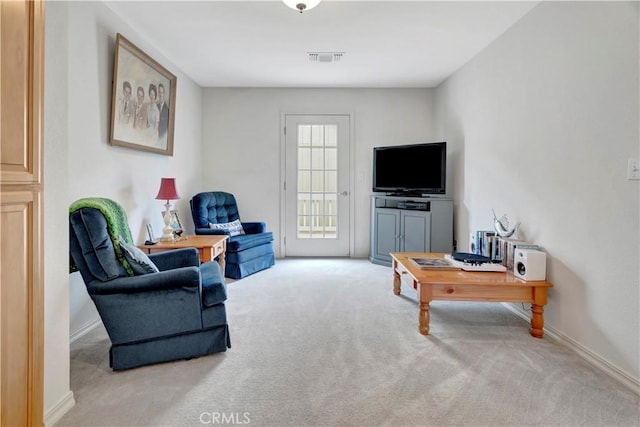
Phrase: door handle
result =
(344, 193)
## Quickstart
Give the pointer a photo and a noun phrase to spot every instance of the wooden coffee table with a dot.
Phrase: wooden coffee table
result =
(460, 285)
(208, 246)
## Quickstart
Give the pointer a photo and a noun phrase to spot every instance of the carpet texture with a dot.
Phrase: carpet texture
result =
(325, 342)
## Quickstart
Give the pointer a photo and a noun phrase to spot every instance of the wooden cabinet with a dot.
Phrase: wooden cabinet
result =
(394, 229)
(21, 281)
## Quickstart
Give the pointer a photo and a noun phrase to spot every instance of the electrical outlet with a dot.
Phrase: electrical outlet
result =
(633, 170)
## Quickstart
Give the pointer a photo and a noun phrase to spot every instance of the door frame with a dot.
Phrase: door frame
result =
(283, 173)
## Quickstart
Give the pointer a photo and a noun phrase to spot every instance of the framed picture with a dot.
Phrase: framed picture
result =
(175, 221)
(143, 101)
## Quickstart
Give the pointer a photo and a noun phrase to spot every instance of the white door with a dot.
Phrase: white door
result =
(316, 185)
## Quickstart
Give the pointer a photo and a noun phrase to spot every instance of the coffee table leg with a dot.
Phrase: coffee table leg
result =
(423, 318)
(537, 311)
(537, 321)
(396, 278)
(425, 293)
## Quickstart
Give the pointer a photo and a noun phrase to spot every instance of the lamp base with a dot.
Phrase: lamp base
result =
(167, 231)
(165, 238)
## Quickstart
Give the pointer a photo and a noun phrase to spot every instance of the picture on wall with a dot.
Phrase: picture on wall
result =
(143, 101)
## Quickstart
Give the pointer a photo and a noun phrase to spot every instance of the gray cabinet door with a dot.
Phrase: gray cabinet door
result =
(386, 232)
(415, 231)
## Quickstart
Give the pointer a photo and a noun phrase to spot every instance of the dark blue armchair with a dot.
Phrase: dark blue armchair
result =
(247, 252)
(176, 312)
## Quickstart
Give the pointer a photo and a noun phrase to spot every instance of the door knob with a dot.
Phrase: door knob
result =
(344, 193)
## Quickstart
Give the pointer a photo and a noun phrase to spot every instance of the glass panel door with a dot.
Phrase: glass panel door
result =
(317, 189)
(317, 159)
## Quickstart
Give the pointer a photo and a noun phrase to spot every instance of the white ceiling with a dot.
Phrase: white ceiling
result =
(391, 44)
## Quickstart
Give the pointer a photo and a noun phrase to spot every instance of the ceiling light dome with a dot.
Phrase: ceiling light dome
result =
(301, 5)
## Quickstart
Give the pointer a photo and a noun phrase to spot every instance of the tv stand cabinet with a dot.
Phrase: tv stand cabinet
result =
(394, 228)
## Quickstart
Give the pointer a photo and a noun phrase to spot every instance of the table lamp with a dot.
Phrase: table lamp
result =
(167, 192)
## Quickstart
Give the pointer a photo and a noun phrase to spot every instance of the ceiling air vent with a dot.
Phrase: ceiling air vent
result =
(325, 56)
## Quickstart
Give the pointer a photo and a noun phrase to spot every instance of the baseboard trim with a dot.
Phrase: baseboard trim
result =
(56, 413)
(593, 359)
(84, 330)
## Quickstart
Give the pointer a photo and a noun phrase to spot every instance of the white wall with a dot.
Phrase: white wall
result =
(544, 121)
(79, 161)
(58, 397)
(242, 136)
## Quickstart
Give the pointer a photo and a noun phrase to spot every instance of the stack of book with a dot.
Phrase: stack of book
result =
(500, 248)
(484, 240)
(506, 248)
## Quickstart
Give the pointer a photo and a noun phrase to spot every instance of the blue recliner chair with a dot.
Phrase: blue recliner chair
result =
(250, 245)
(155, 308)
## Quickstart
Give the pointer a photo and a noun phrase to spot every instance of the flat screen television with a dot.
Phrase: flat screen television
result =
(410, 170)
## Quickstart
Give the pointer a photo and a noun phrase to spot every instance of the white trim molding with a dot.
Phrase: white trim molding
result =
(53, 415)
(84, 330)
(590, 357)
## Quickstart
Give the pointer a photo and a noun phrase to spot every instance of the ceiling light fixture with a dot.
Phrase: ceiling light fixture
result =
(301, 5)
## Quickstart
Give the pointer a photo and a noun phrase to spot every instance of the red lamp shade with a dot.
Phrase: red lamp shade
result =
(168, 189)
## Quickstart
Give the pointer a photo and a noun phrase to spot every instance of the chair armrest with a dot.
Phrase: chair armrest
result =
(211, 231)
(177, 258)
(186, 277)
(254, 227)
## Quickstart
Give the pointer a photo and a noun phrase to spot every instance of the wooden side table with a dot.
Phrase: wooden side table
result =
(209, 247)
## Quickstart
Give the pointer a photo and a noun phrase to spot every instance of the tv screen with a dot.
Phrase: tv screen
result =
(410, 169)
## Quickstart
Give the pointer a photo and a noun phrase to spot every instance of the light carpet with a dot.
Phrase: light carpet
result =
(325, 342)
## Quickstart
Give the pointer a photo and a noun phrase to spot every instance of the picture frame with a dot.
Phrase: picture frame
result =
(152, 237)
(143, 101)
(175, 220)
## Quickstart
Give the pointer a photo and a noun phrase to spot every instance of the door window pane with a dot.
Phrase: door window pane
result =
(317, 182)
(331, 159)
(304, 182)
(317, 135)
(304, 136)
(317, 158)
(331, 182)
(304, 158)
